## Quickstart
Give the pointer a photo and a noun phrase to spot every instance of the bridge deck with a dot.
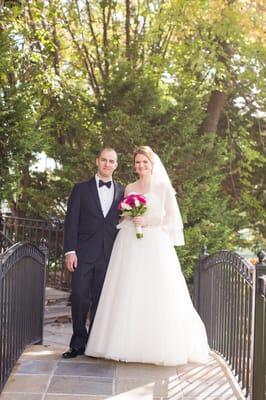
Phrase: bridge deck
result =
(42, 374)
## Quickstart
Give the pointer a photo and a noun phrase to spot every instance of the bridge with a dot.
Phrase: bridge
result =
(230, 295)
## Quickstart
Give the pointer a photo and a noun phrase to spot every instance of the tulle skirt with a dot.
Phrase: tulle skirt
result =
(145, 313)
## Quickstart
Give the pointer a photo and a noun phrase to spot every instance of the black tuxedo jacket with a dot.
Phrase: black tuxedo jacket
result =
(87, 231)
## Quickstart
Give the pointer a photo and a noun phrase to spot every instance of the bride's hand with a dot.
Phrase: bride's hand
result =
(139, 221)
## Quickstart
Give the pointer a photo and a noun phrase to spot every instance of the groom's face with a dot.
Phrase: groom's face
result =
(106, 163)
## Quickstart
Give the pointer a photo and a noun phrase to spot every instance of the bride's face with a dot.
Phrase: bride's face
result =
(143, 166)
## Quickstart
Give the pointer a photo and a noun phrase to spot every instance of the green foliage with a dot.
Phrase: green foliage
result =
(74, 79)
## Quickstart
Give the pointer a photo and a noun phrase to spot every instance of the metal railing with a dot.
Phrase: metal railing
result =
(5, 243)
(36, 230)
(259, 360)
(229, 294)
(22, 288)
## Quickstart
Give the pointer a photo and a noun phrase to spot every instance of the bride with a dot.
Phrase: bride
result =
(145, 313)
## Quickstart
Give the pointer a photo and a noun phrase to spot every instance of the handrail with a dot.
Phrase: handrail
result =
(18, 251)
(33, 220)
(22, 288)
(230, 297)
(34, 230)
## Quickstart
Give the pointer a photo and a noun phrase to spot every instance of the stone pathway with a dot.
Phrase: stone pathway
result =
(56, 306)
(42, 374)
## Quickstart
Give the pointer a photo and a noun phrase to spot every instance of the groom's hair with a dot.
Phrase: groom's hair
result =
(106, 148)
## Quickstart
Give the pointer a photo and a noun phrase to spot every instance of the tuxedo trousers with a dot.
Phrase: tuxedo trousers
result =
(87, 283)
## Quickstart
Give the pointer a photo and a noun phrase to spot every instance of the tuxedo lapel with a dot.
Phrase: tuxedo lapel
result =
(116, 194)
(94, 191)
(115, 199)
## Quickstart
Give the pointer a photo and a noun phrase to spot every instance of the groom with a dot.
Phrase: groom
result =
(90, 231)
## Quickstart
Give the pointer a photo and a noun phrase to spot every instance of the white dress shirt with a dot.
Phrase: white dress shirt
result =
(106, 196)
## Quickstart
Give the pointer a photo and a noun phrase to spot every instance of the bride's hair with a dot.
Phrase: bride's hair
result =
(145, 151)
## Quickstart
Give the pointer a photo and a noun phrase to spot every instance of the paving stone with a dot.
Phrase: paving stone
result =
(206, 382)
(142, 392)
(81, 385)
(59, 328)
(205, 377)
(38, 352)
(52, 294)
(85, 369)
(35, 367)
(59, 309)
(134, 390)
(21, 396)
(87, 378)
(208, 390)
(74, 397)
(26, 383)
(135, 370)
(57, 333)
(160, 387)
(90, 360)
(60, 313)
(193, 370)
(208, 397)
(52, 340)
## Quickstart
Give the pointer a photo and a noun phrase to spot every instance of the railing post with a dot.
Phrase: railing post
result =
(197, 276)
(259, 351)
(43, 247)
(1, 325)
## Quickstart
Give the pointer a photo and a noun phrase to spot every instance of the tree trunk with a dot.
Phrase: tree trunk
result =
(214, 111)
(127, 28)
(56, 48)
(23, 199)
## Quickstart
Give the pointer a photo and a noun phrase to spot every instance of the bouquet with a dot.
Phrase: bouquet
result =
(134, 205)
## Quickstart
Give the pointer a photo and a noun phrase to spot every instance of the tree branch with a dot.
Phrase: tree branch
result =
(94, 38)
(33, 26)
(56, 42)
(106, 21)
(166, 40)
(85, 57)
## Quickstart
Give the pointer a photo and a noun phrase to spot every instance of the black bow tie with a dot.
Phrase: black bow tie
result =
(107, 184)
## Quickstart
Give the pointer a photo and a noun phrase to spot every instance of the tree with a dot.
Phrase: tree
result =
(185, 77)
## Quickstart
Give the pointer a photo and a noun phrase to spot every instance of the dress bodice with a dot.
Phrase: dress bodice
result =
(155, 209)
(162, 212)
(154, 214)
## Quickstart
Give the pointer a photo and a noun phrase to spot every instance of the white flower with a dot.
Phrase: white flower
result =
(137, 202)
(126, 206)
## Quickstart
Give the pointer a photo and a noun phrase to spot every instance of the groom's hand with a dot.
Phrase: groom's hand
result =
(71, 262)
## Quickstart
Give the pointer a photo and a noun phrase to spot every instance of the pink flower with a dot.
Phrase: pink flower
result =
(133, 205)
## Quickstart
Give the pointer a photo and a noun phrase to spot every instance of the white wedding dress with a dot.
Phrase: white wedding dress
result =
(145, 313)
